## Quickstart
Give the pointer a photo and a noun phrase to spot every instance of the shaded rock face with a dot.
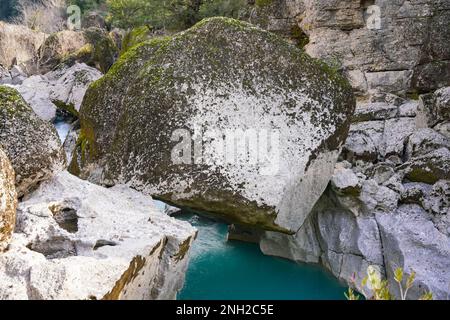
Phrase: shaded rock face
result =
(76, 240)
(63, 88)
(5, 76)
(387, 204)
(58, 45)
(408, 237)
(19, 45)
(94, 19)
(32, 145)
(220, 75)
(12, 77)
(8, 201)
(407, 52)
(434, 108)
(92, 46)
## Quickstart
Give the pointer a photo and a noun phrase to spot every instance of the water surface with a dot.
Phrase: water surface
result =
(221, 269)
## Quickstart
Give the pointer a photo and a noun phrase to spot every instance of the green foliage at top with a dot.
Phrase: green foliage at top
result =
(87, 6)
(172, 15)
(134, 13)
(135, 36)
(379, 288)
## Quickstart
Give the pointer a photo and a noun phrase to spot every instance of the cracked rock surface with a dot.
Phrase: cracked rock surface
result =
(76, 240)
(387, 204)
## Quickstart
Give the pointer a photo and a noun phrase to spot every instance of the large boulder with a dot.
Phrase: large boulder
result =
(31, 144)
(20, 46)
(59, 45)
(76, 240)
(221, 77)
(92, 46)
(8, 201)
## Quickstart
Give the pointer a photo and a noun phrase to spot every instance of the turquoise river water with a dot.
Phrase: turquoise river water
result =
(221, 269)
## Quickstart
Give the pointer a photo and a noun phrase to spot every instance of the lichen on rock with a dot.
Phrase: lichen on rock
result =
(222, 74)
(32, 144)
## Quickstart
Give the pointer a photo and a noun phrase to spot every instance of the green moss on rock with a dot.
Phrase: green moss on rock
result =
(31, 143)
(67, 107)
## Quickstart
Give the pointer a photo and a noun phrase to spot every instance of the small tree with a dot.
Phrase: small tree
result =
(379, 289)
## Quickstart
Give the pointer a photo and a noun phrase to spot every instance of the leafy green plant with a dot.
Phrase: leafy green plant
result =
(87, 6)
(379, 288)
(169, 14)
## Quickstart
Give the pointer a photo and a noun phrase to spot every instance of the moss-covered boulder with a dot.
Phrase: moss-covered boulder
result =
(93, 46)
(31, 144)
(8, 201)
(219, 78)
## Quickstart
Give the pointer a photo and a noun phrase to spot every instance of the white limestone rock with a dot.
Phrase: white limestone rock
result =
(76, 240)
(69, 85)
(301, 247)
(70, 142)
(63, 88)
(364, 141)
(396, 133)
(408, 109)
(345, 181)
(35, 90)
